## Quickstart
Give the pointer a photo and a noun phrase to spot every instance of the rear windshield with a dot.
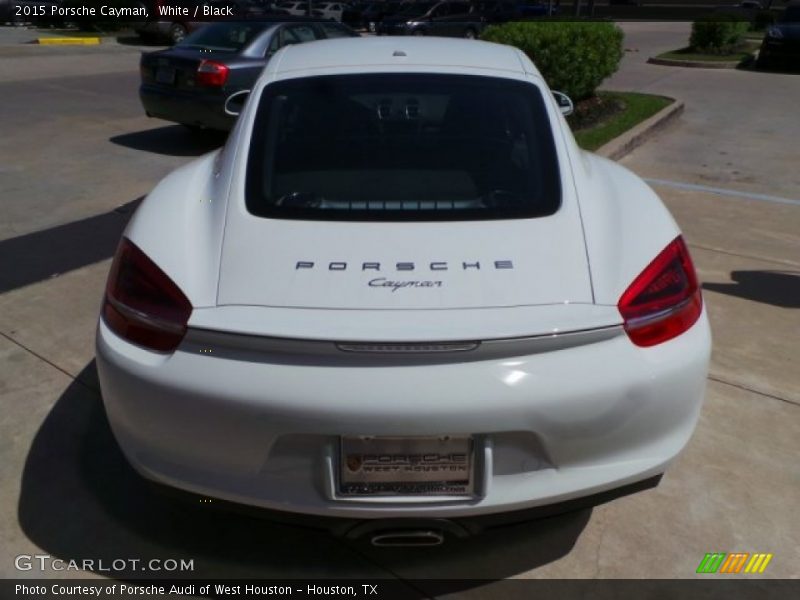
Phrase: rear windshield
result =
(222, 37)
(393, 147)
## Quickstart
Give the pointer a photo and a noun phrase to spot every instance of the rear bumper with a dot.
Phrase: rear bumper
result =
(354, 528)
(190, 108)
(263, 430)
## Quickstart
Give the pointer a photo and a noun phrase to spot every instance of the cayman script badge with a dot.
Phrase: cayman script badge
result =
(382, 282)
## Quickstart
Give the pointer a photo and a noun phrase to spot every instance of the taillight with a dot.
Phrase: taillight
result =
(211, 73)
(664, 300)
(142, 304)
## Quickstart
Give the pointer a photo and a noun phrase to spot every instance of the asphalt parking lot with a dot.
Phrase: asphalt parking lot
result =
(77, 154)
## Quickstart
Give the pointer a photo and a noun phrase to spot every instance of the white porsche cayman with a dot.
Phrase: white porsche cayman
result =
(401, 290)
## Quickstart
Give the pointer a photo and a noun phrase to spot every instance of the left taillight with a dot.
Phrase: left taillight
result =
(211, 73)
(142, 304)
(664, 300)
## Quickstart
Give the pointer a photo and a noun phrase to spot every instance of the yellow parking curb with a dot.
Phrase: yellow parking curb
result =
(67, 41)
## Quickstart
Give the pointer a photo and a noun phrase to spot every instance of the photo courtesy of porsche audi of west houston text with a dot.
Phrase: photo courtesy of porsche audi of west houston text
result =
(149, 590)
(400, 290)
(114, 11)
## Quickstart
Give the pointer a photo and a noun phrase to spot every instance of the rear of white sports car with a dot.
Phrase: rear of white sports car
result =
(401, 290)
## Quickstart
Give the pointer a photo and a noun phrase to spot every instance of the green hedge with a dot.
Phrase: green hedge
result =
(573, 57)
(721, 33)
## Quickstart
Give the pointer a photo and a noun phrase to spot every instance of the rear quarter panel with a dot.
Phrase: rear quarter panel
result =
(180, 224)
(625, 224)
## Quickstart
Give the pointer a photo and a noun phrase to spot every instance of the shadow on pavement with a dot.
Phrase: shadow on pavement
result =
(37, 256)
(133, 39)
(779, 288)
(172, 140)
(80, 500)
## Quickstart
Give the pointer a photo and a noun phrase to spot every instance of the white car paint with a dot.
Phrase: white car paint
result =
(251, 405)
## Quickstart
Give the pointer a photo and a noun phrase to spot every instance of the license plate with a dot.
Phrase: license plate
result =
(165, 75)
(406, 466)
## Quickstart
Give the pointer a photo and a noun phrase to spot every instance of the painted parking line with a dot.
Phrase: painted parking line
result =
(694, 187)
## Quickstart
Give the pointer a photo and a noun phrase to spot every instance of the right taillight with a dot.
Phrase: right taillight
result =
(142, 304)
(664, 300)
(211, 73)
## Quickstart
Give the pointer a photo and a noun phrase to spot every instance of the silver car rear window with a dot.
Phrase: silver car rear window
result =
(222, 37)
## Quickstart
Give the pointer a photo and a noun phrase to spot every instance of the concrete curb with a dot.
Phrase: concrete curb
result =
(695, 64)
(68, 41)
(636, 136)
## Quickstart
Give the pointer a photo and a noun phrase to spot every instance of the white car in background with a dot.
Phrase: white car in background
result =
(329, 10)
(401, 291)
(298, 9)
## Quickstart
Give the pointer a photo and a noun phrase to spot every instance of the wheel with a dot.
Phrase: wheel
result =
(418, 32)
(177, 33)
(470, 34)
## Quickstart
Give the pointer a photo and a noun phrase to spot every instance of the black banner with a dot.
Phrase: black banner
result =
(138, 11)
(712, 588)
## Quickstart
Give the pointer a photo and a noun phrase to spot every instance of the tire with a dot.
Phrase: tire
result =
(470, 34)
(418, 32)
(763, 63)
(177, 33)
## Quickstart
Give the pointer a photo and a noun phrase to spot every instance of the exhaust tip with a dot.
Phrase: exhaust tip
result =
(406, 531)
(405, 538)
